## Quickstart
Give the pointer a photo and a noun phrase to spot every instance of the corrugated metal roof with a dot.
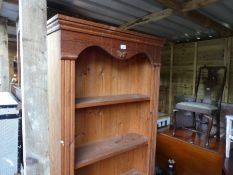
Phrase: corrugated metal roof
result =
(9, 10)
(176, 28)
(118, 12)
(221, 12)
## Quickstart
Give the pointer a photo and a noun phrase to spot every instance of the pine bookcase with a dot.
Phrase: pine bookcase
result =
(103, 98)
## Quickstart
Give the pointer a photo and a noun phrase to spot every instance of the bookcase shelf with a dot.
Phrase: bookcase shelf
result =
(85, 102)
(97, 151)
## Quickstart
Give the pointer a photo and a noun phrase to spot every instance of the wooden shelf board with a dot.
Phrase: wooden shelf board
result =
(132, 172)
(85, 102)
(91, 153)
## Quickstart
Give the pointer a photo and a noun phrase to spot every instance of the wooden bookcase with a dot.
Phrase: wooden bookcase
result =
(103, 98)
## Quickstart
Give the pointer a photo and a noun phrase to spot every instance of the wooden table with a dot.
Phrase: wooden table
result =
(189, 152)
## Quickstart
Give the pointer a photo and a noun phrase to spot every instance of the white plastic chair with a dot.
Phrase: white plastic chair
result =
(229, 134)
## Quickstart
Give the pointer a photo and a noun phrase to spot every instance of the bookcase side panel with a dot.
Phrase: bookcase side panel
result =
(54, 99)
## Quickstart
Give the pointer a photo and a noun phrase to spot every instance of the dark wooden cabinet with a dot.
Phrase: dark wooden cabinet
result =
(103, 98)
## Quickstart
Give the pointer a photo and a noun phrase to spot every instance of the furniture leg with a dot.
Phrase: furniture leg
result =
(199, 122)
(174, 122)
(194, 120)
(218, 125)
(210, 124)
(228, 133)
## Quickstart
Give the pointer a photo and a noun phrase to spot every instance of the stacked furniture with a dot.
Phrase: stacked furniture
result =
(212, 79)
(229, 134)
(103, 98)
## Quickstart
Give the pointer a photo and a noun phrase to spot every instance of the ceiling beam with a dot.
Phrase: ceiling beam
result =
(173, 5)
(148, 18)
(198, 18)
(188, 6)
(195, 4)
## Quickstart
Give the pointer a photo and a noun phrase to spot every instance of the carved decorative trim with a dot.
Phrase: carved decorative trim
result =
(117, 54)
(122, 54)
(61, 22)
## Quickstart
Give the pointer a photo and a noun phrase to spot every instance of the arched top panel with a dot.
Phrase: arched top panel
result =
(120, 53)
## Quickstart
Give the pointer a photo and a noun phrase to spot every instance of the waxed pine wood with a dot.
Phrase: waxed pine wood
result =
(132, 172)
(105, 98)
(86, 102)
(54, 104)
(94, 152)
(96, 68)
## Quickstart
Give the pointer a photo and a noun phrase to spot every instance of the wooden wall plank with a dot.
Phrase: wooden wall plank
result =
(227, 57)
(230, 92)
(194, 67)
(188, 57)
(170, 78)
(183, 70)
(164, 82)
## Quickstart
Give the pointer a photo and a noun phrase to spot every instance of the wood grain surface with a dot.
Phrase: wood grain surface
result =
(87, 63)
(189, 153)
(93, 152)
(85, 102)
